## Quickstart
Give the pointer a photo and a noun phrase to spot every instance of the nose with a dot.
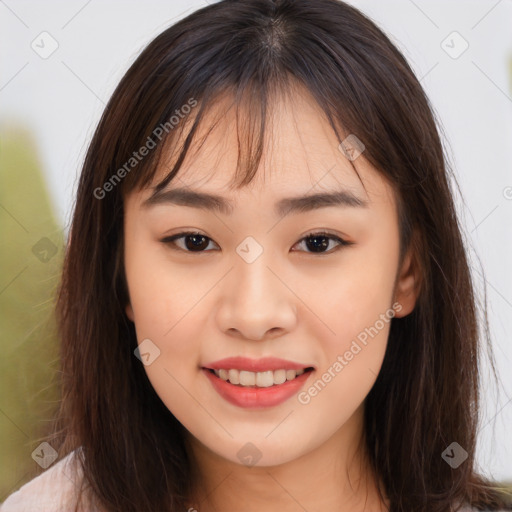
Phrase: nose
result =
(255, 301)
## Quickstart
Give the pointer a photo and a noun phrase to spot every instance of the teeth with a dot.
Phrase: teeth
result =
(265, 379)
(247, 378)
(258, 379)
(234, 376)
(279, 376)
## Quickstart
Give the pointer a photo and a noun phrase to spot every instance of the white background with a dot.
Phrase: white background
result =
(61, 98)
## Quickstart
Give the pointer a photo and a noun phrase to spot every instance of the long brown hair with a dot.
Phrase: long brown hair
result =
(133, 449)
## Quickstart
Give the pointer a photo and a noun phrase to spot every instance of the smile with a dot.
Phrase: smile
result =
(264, 379)
(257, 390)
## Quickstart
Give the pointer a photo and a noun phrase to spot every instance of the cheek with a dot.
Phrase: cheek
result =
(159, 293)
(165, 305)
(166, 309)
(357, 309)
(358, 314)
(357, 296)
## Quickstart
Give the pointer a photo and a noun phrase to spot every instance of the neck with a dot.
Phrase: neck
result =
(334, 476)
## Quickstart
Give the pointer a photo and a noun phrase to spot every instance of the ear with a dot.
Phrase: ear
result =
(129, 312)
(407, 285)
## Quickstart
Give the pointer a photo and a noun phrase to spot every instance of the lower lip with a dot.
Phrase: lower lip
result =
(256, 398)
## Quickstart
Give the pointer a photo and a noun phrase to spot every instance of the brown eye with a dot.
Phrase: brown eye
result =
(319, 242)
(192, 242)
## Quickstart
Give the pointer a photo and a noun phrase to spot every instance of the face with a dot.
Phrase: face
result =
(305, 295)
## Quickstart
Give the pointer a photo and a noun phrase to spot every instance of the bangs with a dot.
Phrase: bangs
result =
(254, 103)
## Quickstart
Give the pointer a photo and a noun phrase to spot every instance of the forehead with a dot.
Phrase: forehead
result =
(301, 153)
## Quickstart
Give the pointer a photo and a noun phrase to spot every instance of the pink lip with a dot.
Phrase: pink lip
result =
(254, 397)
(255, 365)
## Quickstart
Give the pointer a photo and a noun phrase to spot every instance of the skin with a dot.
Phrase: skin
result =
(290, 303)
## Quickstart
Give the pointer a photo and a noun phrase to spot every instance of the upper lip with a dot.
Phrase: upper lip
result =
(255, 365)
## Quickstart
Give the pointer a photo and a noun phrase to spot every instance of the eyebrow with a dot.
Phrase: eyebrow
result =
(285, 206)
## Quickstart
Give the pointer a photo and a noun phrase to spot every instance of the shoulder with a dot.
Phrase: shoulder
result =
(54, 490)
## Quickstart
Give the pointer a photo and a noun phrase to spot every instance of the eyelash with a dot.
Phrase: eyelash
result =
(170, 240)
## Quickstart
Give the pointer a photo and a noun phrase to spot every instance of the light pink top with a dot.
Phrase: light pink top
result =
(54, 490)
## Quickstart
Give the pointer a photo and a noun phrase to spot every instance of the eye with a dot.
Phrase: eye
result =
(194, 241)
(316, 242)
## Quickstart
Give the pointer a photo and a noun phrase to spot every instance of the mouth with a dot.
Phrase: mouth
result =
(257, 383)
(264, 379)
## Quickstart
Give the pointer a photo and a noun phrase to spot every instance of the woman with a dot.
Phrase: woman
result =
(266, 302)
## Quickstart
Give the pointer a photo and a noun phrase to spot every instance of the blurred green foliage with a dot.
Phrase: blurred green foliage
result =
(31, 253)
